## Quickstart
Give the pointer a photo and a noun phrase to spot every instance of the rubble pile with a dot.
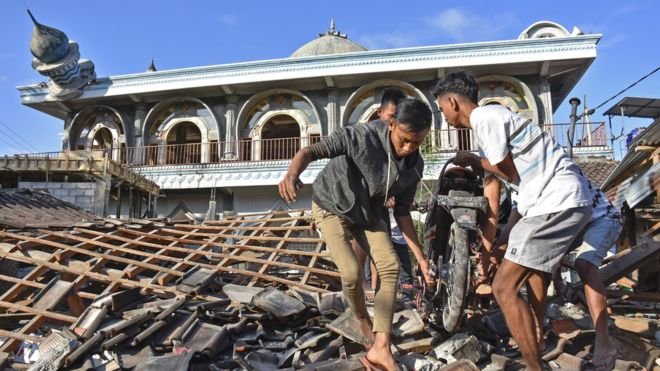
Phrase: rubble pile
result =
(257, 292)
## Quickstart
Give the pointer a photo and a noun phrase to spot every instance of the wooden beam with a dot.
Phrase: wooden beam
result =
(276, 252)
(221, 244)
(628, 260)
(237, 237)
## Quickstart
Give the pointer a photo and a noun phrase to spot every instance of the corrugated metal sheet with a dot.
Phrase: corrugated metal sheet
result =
(649, 137)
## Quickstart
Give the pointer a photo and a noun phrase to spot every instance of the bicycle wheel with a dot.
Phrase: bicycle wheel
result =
(456, 285)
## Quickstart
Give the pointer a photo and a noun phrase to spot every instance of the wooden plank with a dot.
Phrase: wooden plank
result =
(629, 260)
(258, 238)
(239, 228)
(639, 326)
(151, 286)
(268, 219)
(96, 276)
(242, 247)
(40, 312)
(37, 285)
(651, 230)
(266, 213)
(191, 258)
(117, 259)
(20, 337)
(312, 263)
(276, 253)
(163, 257)
(636, 296)
(100, 264)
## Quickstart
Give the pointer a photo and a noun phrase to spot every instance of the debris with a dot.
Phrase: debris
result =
(233, 294)
(419, 362)
(407, 322)
(277, 303)
(54, 349)
(175, 362)
(348, 326)
(459, 346)
(581, 318)
(462, 365)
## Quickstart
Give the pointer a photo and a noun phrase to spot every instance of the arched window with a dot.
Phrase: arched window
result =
(273, 125)
(364, 107)
(102, 140)
(181, 131)
(98, 128)
(184, 144)
(280, 138)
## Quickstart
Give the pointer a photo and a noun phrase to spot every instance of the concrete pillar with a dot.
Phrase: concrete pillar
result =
(102, 195)
(230, 151)
(332, 110)
(131, 202)
(66, 139)
(546, 98)
(118, 213)
(138, 138)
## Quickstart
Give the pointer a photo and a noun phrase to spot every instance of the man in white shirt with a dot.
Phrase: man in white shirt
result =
(553, 198)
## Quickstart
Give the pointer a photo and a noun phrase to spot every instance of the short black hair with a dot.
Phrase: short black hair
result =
(461, 83)
(414, 114)
(392, 96)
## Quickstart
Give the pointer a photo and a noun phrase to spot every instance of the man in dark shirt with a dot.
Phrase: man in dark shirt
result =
(369, 165)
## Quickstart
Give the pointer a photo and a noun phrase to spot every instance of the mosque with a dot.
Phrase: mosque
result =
(226, 133)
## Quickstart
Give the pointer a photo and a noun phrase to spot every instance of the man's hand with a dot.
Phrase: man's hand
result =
(466, 158)
(390, 203)
(289, 187)
(424, 267)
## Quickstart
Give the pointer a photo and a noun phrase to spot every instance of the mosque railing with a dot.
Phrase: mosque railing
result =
(445, 141)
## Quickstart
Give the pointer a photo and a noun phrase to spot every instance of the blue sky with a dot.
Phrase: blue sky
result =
(122, 36)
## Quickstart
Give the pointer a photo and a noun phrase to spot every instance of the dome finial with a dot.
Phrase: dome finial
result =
(333, 31)
(152, 66)
(33, 19)
(47, 44)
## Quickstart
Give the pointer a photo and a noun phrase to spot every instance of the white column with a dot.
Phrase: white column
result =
(67, 142)
(138, 138)
(231, 141)
(546, 99)
(332, 112)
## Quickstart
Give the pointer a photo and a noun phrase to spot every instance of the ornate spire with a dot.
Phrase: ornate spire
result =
(152, 66)
(58, 58)
(48, 44)
(333, 31)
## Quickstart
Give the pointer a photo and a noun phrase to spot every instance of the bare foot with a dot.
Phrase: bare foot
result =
(381, 358)
(604, 357)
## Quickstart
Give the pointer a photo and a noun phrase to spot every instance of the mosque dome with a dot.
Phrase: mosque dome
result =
(48, 44)
(331, 42)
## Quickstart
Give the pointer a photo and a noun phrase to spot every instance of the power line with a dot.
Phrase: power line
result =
(7, 143)
(16, 143)
(19, 137)
(628, 87)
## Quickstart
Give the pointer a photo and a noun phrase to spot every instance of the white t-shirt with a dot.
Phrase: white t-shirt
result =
(549, 180)
(397, 236)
